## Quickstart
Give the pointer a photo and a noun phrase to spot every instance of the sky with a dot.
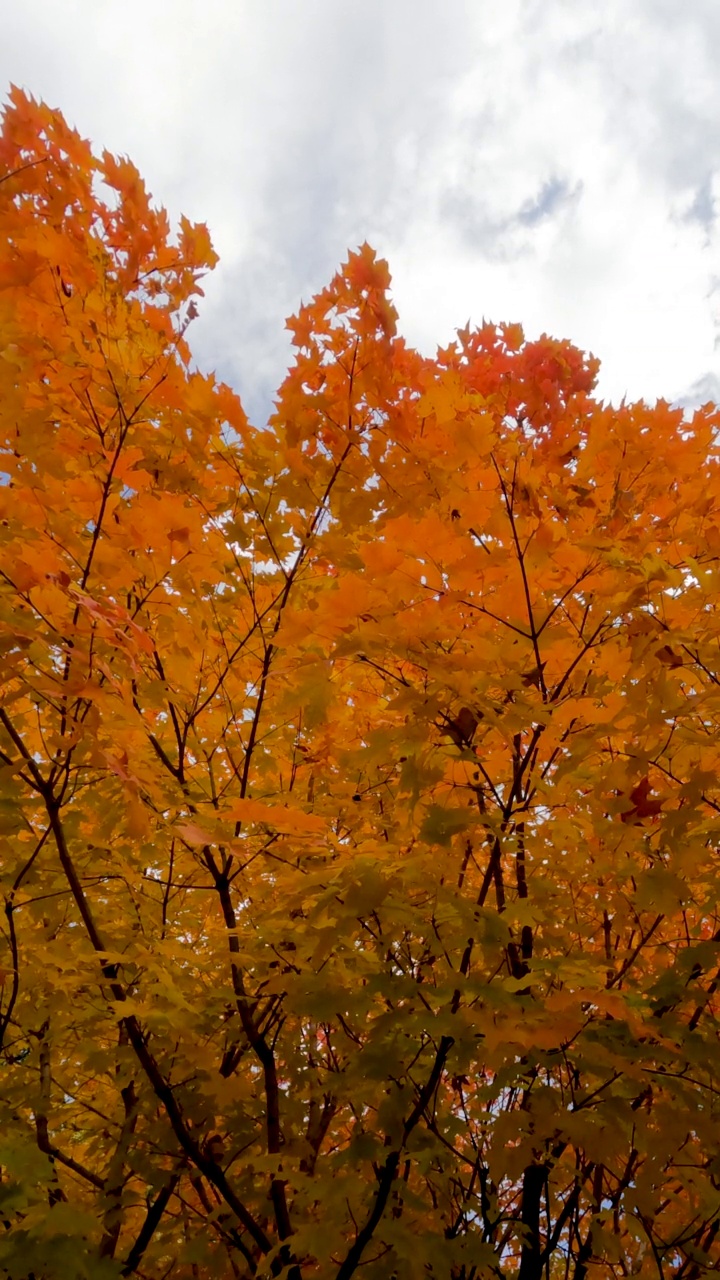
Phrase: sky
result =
(541, 161)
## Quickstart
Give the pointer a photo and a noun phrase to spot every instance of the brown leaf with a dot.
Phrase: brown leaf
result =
(642, 805)
(669, 657)
(462, 727)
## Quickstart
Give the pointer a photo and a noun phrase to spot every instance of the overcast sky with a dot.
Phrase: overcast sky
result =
(547, 161)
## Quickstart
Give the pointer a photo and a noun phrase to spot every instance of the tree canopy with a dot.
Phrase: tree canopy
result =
(359, 800)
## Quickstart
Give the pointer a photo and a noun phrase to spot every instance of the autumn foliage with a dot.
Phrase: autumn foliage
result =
(359, 799)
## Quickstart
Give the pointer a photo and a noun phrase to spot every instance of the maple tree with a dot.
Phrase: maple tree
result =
(359, 801)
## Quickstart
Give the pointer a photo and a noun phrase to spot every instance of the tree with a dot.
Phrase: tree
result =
(358, 783)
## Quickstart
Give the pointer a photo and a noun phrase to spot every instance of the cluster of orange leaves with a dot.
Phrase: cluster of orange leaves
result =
(359, 802)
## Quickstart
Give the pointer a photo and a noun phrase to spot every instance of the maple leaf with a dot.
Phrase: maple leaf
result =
(669, 657)
(366, 271)
(642, 805)
(461, 728)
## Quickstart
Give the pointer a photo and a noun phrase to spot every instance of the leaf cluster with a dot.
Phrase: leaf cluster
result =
(359, 800)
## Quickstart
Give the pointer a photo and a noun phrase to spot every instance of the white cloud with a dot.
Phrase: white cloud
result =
(547, 162)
